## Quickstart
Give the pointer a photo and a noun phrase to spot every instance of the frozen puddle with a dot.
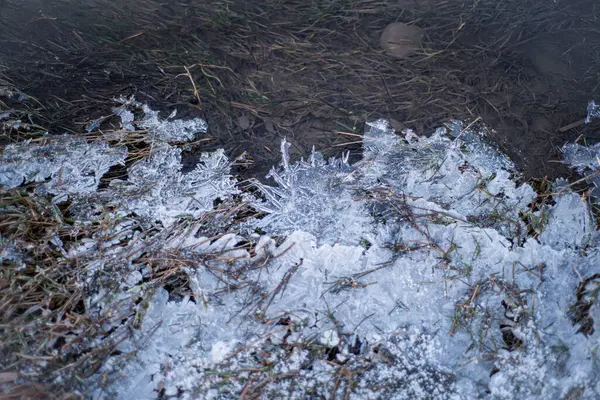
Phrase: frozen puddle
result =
(423, 271)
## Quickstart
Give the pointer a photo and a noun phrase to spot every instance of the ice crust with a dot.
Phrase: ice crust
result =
(593, 111)
(411, 274)
(586, 160)
(65, 164)
(426, 291)
(165, 130)
(157, 190)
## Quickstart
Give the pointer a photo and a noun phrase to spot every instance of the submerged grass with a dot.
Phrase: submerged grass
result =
(260, 71)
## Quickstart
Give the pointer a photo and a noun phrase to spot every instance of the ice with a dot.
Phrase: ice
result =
(312, 196)
(586, 160)
(158, 129)
(452, 302)
(126, 117)
(66, 165)
(582, 157)
(220, 350)
(319, 197)
(13, 93)
(593, 111)
(157, 190)
(176, 324)
(330, 338)
(9, 250)
(570, 224)
(411, 274)
(172, 131)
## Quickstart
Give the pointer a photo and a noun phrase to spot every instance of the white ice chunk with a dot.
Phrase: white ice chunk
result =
(157, 190)
(570, 223)
(593, 111)
(67, 165)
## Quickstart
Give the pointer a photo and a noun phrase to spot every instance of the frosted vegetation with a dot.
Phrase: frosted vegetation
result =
(426, 270)
(586, 159)
(65, 165)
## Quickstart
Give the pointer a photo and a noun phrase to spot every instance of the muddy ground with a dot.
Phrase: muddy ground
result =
(312, 71)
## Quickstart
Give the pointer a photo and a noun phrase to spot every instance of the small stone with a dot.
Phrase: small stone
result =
(399, 40)
(243, 122)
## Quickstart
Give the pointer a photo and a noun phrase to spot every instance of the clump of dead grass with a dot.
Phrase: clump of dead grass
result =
(53, 335)
(43, 324)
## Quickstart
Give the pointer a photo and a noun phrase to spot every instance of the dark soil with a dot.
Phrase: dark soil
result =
(308, 70)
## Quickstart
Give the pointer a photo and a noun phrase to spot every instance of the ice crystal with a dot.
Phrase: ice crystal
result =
(176, 130)
(582, 157)
(157, 190)
(418, 271)
(66, 165)
(408, 275)
(593, 111)
(172, 131)
(318, 197)
(313, 196)
(9, 250)
(176, 324)
(570, 223)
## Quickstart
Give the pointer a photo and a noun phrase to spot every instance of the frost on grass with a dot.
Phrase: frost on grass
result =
(307, 371)
(157, 190)
(173, 131)
(570, 224)
(166, 130)
(412, 274)
(586, 159)
(154, 189)
(9, 251)
(176, 324)
(311, 195)
(463, 175)
(65, 165)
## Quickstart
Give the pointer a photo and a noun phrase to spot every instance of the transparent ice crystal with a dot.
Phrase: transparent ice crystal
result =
(593, 111)
(311, 195)
(409, 274)
(320, 197)
(586, 160)
(176, 324)
(157, 190)
(166, 130)
(66, 165)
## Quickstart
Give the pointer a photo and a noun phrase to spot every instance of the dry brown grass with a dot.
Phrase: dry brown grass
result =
(41, 301)
(52, 337)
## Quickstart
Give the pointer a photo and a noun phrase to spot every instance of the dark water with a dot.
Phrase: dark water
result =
(310, 71)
